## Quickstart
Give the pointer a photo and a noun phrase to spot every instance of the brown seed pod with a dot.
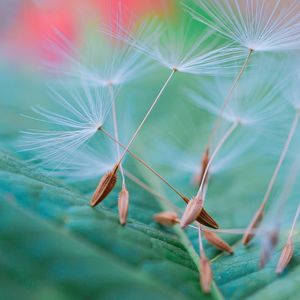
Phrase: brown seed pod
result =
(191, 212)
(285, 258)
(249, 235)
(270, 242)
(204, 163)
(206, 274)
(123, 204)
(203, 218)
(105, 186)
(167, 218)
(216, 241)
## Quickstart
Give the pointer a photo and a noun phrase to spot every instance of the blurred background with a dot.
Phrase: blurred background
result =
(28, 30)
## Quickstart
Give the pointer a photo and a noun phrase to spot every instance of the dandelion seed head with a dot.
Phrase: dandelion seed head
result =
(259, 107)
(115, 63)
(83, 111)
(260, 25)
(172, 46)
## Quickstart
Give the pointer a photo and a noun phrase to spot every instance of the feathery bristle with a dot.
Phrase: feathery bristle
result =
(180, 51)
(216, 241)
(123, 204)
(258, 25)
(286, 256)
(105, 186)
(167, 218)
(206, 275)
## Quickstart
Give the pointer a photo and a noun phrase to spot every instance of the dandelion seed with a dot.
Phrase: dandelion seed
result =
(204, 63)
(288, 250)
(206, 275)
(242, 110)
(204, 162)
(192, 211)
(285, 258)
(116, 132)
(270, 235)
(257, 25)
(259, 214)
(248, 235)
(217, 242)
(260, 25)
(123, 203)
(105, 186)
(203, 217)
(167, 218)
(214, 154)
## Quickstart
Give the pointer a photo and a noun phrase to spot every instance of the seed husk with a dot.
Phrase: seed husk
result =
(105, 186)
(123, 204)
(217, 242)
(204, 163)
(206, 274)
(249, 235)
(204, 217)
(167, 218)
(191, 212)
(285, 258)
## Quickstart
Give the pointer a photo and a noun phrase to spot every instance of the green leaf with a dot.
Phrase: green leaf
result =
(53, 244)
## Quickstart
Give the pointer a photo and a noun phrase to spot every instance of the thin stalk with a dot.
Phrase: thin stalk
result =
(228, 98)
(116, 130)
(150, 190)
(143, 163)
(216, 151)
(201, 248)
(231, 231)
(294, 224)
(281, 159)
(284, 196)
(147, 115)
(259, 213)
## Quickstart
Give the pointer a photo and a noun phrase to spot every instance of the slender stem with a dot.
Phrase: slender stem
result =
(201, 248)
(219, 146)
(228, 97)
(147, 115)
(150, 190)
(143, 163)
(284, 196)
(281, 159)
(294, 224)
(116, 130)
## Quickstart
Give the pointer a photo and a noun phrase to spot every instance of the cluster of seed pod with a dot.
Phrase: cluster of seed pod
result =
(252, 27)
